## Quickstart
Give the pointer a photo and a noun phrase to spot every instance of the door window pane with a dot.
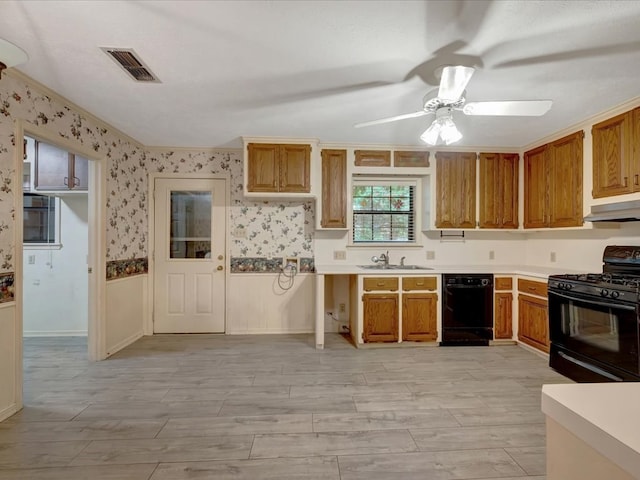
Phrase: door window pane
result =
(190, 225)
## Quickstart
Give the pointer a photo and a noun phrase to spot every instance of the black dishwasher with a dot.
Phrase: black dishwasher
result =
(467, 309)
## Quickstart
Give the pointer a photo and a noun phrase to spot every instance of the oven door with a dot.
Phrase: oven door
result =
(599, 329)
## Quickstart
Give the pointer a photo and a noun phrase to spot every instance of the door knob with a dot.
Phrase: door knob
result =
(220, 267)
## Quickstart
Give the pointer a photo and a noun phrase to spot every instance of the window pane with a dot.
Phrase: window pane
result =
(39, 217)
(383, 213)
(190, 225)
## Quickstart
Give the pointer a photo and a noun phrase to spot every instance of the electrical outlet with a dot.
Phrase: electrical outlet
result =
(291, 262)
(31, 259)
(492, 255)
(240, 232)
(339, 255)
(431, 255)
(342, 308)
(552, 257)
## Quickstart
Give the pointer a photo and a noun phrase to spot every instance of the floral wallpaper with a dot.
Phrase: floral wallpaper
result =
(273, 228)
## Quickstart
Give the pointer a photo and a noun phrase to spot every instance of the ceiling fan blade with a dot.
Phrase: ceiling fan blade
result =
(532, 108)
(392, 119)
(453, 82)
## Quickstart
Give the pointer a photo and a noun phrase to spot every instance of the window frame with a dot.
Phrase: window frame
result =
(388, 181)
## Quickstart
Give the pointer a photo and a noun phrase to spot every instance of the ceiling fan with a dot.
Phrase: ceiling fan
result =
(451, 96)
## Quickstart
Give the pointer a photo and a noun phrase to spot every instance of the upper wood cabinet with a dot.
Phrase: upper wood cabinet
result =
(498, 190)
(455, 190)
(616, 155)
(57, 169)
(372, 158)
(334, 189)
(403, 158)
(553, 184)
(278, 168)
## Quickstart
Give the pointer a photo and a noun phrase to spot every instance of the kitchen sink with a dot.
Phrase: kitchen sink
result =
(394, 267)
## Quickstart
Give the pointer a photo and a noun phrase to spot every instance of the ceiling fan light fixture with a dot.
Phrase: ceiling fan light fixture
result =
(442, 127)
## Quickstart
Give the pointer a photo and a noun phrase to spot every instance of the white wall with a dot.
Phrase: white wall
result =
(8, 348)
(55, 285)
(126, 299)
(257, 304)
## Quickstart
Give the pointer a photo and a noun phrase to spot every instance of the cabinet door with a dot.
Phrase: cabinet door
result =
(295, 166)
(372, 158)
(262, 167)
(565, 181)
(612, 154)
(410, 159)
(508, 181)
(535, 188)
(490, 190)
(380, 317)
(51, 167)
(635, 159)
(503, 322)
(533, 323)
(80, 174)
(334, 189)
(455, 190)
(419, 312)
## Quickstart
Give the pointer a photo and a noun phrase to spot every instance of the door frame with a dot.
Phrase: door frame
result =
(148, 321)
(96, 326)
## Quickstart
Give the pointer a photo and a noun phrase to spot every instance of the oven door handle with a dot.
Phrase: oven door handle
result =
(613, 304)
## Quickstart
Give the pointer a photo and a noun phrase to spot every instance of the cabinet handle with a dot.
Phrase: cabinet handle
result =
(635, 179)
(66, 181)
(380, 284)
(419, 283)
(533, 289)
(626, 181)
(76, 181)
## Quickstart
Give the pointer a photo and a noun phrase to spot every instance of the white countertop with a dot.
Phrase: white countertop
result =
(606, 416)
(526, 270)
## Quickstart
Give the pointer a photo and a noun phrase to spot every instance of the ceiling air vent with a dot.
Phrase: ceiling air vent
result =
(128, 60)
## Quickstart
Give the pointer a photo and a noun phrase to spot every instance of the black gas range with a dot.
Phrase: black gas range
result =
(594, 320)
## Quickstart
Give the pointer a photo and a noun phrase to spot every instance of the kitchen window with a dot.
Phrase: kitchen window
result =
(383, 212)
(41, 225)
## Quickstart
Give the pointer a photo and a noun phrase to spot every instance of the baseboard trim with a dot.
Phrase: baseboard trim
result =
(56, 333)
(268, 332)
(9, 411)
(124, 343)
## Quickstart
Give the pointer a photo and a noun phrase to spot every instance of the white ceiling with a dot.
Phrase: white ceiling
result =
(314, 68)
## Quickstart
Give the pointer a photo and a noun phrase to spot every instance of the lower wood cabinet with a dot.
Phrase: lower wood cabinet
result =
(503, 308)
(533, 322)
(381, 317)
(419, 317)
(503, 317)
(381, 314)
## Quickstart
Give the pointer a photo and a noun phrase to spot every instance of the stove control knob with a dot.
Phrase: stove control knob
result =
(604, 292)
(562, 286)
(615, 294)
(569, 286)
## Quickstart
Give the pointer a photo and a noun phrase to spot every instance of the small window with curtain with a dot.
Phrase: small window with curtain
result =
(383, 211)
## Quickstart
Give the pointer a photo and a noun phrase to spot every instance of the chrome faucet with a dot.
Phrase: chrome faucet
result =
(385, 258)
(402, 261)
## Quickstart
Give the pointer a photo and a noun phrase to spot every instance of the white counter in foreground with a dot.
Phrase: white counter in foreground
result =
(593, 431)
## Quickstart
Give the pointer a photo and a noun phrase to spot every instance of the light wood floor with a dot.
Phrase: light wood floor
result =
(272, 407)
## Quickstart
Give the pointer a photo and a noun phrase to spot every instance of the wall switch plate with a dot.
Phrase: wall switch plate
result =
(31, 259)
(431, 255)
(342, 308)
(552, 257)
(339, 255)
(492, 255)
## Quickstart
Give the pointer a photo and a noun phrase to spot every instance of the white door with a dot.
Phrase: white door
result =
(189, 279)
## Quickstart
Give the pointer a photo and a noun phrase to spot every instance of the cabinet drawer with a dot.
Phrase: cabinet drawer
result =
(380, 283)
(419, 283)
(532, 287)
(503, 283)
